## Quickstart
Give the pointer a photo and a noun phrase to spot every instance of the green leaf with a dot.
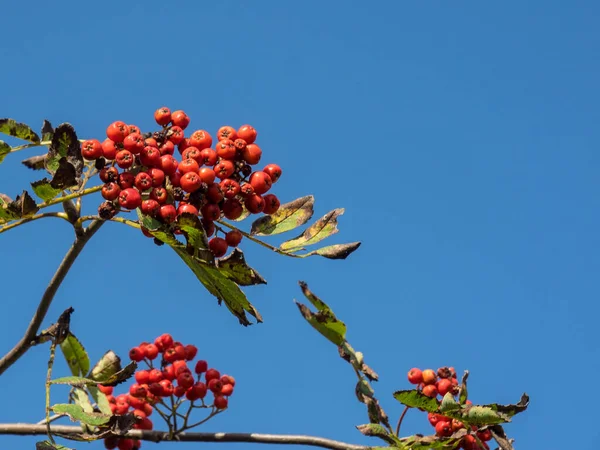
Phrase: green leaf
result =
(119, 377)
(449, 403)
(419, 442)
(108, 365)
(100, 399)
(377, 430)
(82, 399)
(216, 282)
(76, 356)
(47, 445)
(18, 130)
(75, 381)
(321, 229)
(23, 206)
(337, 251)
(5, 213)
(324, 320)
(289, 216)
(221, 287)
(416, 399)
(4, 150)
(357, 360)
(64, 144)
(193, 231)
(463, 392)
(47, 131)
(236, 269)
(44, 190)
(77, 414)
(482, 415)
(511, 410)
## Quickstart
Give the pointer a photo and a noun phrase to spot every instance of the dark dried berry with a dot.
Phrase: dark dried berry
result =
(100, 163)
(246, 170)
(159, 243)
(107, 210)
(178, 194)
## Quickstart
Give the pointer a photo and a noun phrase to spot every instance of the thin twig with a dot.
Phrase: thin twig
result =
(401, 419)
(158, 436)
(60, 215)
(50, 419)
(258, 241)
(28, 339)
(48, 381)
(77, 194)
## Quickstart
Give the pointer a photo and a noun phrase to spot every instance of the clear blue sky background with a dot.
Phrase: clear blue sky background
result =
(462, 139)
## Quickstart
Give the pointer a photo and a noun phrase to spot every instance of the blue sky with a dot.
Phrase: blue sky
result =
(460, 137)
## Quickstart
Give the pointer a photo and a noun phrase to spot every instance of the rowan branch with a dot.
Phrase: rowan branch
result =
(28, 339)
(158, 436)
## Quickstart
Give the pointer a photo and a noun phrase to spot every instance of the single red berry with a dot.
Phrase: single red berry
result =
(109, 149)
(261, 182)
(125, 159)
(108, 174)
(212, 374)
(274, 172)
(200, 390)
(232, 209)
(443, 428)
(201, 139)
(142, 376)
(226, 132)
(150, 156)
(194, 153)
(415, 376)
(155, 375)
(224, 169)
(190, 181)
(130, 198)
(150, 207)
(188, 165)
(166, 340)
(228, 379)
(110, 443)
(143, 181)
(218, 246)
(255, 203)
(214, 194)
(233, 238)
(168, 164)
(176, 135)
(201, 367)
(126, 180)
(110, 191)
(429, 376)
(272, 204)
(151, 142)
(430, 390)
(136, 354)
(106, 390)
(155, 389)
(162, 116)
(137, 390)
(190, 352)
(167, 148)
(252, 154)
(187, 208)
(247, 133)
(126, 444)
(158, 176)
(180, 119)
(211, 212)
(91, 149)
(183, 145)
(144, 424)
(485, 435)
(134, 142)
(221, 402)
(215, 385)
(180, 366)
(456, 425)
(435, 418)
(117, 131)
(230, 187)
(159, 194)
(179, 391)
(133, 129)
(170, 355)
(227, 390)
(246, 190)
(167, 387)
(168, 213)
(207, 175)
(443, 386)
(208, 157)
(185, 380)
(226, 149)
(240, 145)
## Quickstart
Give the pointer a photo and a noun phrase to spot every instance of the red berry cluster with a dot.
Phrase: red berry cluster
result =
(140, 171)
(432, 384)
(174, 377)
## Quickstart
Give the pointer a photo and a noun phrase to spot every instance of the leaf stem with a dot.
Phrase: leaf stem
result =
(258, 241)
(60, 215)
(31, 145)
(79, 193)
(131, 223)
(27, 341)
(48, 381)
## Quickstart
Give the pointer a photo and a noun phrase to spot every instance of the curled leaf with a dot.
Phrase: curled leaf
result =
(77, 414)
(323, 228)
(4, 150)
(64, 144)
(337, 251)
(416, 399)
(235, 268)
(44, 190)
(324, 320)
(18, 130)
